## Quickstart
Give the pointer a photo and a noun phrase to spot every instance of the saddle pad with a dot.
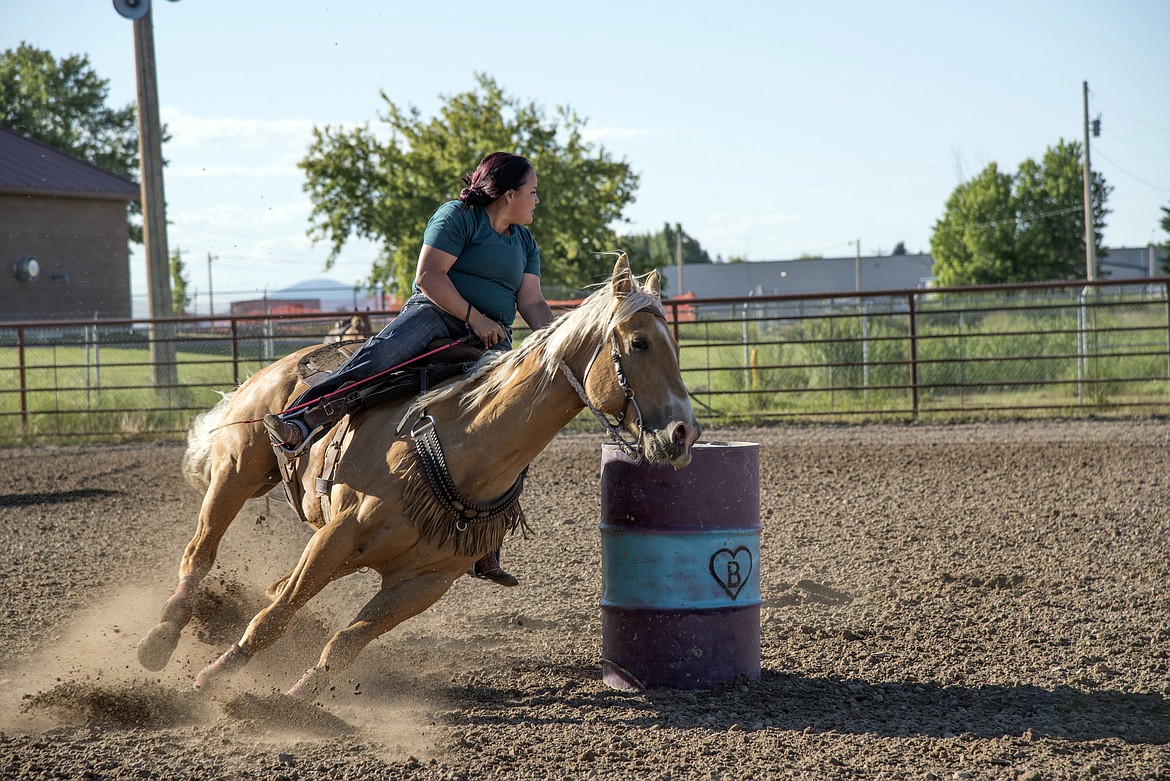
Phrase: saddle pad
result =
(317, 365)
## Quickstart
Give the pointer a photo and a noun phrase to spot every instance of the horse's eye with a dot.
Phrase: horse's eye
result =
(639, 343)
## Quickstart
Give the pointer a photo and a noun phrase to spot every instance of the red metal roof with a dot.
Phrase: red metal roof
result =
(29, 167)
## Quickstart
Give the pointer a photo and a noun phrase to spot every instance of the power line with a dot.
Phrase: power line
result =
(1131, 176)
(1023, 218)
(1127, 115)
(1127, 142)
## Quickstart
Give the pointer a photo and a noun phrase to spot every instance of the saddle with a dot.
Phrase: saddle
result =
(336, 413)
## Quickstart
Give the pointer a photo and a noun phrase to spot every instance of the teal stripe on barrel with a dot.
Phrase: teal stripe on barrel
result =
(656, 569)
(680, 554)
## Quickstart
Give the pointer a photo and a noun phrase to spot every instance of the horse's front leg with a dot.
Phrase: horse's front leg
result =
(327, 553)
(225, 497)
(397, 601)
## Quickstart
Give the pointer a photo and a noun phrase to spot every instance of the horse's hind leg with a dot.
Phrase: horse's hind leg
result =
(390, 607)
(324, 557)
(232, 484)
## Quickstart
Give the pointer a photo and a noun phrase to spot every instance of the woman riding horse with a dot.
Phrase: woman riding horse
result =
(388, 509)
(478, 265)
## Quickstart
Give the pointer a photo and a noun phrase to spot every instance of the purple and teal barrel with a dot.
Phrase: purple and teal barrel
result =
(680, 556)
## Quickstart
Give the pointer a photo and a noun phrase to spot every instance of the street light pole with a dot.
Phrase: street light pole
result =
(210, 294)
(857, 265)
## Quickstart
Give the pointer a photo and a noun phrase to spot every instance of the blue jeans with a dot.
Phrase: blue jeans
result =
(418, 324)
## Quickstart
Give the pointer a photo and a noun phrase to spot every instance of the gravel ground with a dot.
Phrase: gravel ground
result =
(972, 601)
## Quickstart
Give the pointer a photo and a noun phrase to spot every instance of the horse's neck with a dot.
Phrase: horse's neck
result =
(490, 444)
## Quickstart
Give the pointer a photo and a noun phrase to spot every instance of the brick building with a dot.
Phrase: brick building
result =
(70, 217)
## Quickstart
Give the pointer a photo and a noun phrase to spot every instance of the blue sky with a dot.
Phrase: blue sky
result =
(768, 129)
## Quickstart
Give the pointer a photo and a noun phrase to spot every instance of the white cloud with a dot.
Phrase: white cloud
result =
(190, 131)
(228, 171)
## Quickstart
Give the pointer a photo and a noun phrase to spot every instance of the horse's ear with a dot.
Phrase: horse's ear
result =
(622, 281)
(654, 284)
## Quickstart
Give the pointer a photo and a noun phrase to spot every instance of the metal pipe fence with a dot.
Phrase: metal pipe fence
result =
(1026, 350)
(1065, 349)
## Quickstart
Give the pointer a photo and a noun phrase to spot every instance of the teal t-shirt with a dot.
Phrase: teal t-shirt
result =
(489, 267)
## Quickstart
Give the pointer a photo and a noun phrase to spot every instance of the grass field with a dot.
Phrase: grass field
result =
(1012, 359)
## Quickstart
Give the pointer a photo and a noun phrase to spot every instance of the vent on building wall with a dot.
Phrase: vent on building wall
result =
(27, 270)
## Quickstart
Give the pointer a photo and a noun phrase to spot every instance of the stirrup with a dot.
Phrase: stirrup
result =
(285, 451)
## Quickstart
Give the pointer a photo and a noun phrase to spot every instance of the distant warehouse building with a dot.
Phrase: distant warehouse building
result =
(843, 275)
(64, 235)
(797, 277)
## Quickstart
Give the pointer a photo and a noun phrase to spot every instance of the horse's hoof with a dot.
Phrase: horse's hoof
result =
(202, 683)
(233, 659)
(154, 650)
(311, 683)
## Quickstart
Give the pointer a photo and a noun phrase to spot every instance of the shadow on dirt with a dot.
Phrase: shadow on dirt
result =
(791, 702)
(56, 497)
(149, 705)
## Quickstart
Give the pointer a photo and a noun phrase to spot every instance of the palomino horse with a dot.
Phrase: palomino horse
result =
(385, 514)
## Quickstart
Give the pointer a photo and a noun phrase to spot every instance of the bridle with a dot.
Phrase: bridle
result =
(465, 513)
(633, 449)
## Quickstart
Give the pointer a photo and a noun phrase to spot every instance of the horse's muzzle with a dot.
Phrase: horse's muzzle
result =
(672, 444)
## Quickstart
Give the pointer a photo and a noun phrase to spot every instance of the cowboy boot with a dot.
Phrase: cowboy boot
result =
(488, 568)
(288, 434)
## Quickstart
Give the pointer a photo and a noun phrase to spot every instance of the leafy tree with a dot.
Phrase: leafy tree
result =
(811, 256)
(63, 103)
(649, 251)
(386, 190)
(899, 249)
(1000, 227)
(179, 282)
(1165, 266)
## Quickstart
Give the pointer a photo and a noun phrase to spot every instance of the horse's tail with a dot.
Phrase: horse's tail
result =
(197, 459)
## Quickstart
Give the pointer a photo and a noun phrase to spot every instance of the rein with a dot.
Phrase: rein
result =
(364, 380)
(348, 389)
(461, 514)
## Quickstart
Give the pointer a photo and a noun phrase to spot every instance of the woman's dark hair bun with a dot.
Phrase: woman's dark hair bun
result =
(495, 175)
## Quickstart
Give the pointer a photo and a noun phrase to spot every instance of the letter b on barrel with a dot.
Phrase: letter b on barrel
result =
(680, 549)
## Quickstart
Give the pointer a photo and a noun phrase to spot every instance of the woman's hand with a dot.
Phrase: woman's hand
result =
(487, 329)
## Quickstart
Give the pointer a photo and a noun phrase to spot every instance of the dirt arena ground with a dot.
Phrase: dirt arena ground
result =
(940, 602)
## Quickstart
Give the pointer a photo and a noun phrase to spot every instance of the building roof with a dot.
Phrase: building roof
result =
(798, 277)
(29, 167)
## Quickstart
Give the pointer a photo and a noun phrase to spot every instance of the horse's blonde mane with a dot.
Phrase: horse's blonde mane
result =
(584, 326)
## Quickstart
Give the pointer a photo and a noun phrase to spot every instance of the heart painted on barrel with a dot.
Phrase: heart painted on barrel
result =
(731, 569)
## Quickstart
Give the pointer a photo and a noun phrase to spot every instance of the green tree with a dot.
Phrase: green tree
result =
(63, 103)
(899, 249)
(1029, 226)
(1165, 265)
(649, 251)
(385, 191)
(179, 298)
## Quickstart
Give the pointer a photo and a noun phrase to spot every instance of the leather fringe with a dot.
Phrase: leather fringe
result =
(437, 525)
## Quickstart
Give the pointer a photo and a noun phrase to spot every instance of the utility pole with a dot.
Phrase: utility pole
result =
(210, 295)
(678, 256)
(154, 220)
(1090, 243)
(857, 265)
